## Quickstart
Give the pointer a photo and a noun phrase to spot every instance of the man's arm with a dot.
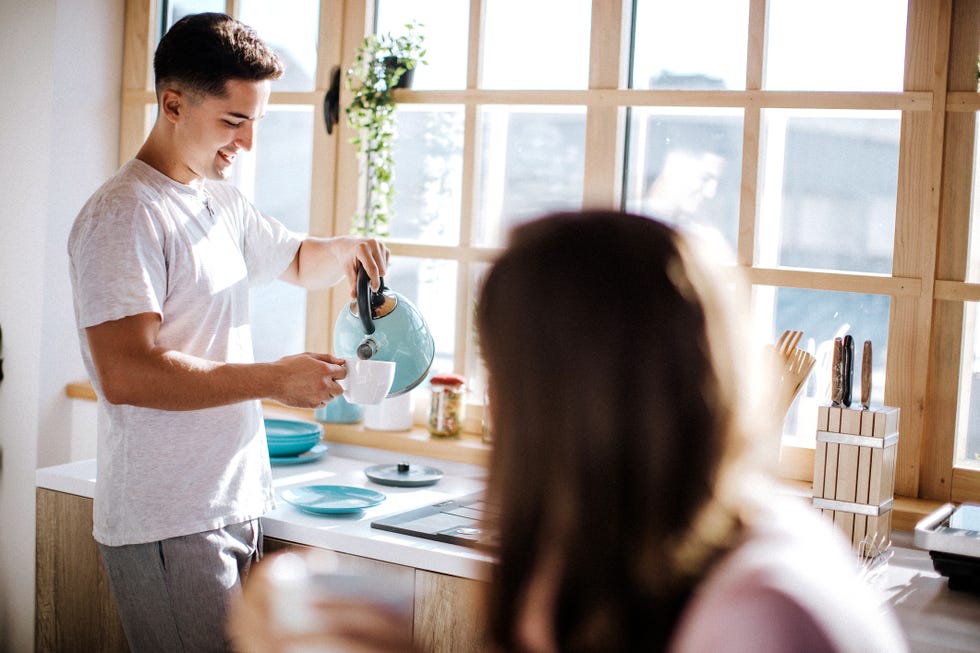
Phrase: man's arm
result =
(133, 369)
(322, 262)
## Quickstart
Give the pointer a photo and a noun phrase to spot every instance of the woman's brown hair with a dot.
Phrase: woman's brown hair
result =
(613, 399)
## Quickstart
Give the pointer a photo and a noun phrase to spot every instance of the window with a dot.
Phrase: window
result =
(278, 174)
(967, 444)
(827, 147)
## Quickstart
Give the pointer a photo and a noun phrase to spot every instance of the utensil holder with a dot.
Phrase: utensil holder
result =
(854, 468)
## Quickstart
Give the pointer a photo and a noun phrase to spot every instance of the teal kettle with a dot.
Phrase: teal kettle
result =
(385, 326)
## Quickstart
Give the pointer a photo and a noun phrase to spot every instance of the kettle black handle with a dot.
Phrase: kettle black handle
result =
(367, 299)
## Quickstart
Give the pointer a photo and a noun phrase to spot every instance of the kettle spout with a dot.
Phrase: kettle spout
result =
(367, 349)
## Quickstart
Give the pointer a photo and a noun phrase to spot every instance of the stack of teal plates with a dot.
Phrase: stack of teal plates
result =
(291, 438)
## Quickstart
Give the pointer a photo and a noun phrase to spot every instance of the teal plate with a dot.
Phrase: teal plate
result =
(332, 499)
(287, 428)
(306, 457)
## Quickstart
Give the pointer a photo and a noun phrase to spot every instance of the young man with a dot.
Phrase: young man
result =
(162, 257)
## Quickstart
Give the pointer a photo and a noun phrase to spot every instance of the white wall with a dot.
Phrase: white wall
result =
(59, 116)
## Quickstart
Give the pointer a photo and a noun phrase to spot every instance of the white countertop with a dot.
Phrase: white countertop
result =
(935, 618)
(345, 533)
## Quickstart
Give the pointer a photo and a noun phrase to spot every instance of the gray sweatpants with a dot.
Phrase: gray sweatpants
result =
(173, 595)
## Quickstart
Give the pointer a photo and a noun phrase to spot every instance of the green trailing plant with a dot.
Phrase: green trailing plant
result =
(381, 65)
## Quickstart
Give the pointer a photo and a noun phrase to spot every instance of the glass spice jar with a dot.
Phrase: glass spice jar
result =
(446, 411)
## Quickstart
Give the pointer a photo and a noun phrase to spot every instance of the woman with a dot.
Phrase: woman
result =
(631, 514)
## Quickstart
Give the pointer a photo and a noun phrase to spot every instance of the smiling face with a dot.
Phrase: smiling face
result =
(210, 130)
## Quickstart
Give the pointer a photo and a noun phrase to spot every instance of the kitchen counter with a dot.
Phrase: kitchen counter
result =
(344, 464)
(935, 618)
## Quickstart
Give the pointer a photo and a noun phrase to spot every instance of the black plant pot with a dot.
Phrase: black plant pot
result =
(405, 81)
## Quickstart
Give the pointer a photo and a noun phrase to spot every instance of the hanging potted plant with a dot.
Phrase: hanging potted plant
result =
(383, 62)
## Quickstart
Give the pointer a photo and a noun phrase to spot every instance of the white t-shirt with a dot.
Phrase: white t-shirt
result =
(792, 586)
(146, 243)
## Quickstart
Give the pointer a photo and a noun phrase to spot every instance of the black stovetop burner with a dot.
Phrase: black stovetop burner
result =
(467, 521)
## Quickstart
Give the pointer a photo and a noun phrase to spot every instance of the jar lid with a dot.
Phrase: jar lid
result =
(451, 380)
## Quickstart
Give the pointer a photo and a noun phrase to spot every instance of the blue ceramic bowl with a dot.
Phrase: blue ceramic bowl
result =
(291, 438)
(293, 447)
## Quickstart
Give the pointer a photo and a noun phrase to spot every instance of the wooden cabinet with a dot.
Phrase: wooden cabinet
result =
(75, 610)
(73, 605)
(448, 616)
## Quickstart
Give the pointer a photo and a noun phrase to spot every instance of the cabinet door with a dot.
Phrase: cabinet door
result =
(74, 609)
(449, 614)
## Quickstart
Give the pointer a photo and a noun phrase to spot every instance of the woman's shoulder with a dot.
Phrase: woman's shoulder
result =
(792, 581)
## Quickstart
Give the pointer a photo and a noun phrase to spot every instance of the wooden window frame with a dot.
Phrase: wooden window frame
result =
(927, 286)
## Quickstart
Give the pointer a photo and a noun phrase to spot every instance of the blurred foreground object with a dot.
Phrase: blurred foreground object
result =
(300, 602)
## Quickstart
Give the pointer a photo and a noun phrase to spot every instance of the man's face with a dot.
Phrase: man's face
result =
(211, 130)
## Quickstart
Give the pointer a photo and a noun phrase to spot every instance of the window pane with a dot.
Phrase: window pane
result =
(836, 45)
(532, 160)
(445, 25)
(968, 414)
(430, 284)
(176, 9)
(524, 47)
(828, 184)
(968, 417)
(290, 27)
(973, 271)
(276, 175)
(428, 174)
(696, 44)
(685, 168)
(823, 316)
(283, 154)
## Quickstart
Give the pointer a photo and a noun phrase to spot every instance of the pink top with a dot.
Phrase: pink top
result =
(792, 586)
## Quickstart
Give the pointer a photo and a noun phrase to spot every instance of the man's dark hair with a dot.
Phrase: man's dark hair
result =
(203, 51)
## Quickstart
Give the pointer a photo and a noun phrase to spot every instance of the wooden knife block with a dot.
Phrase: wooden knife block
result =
(854, 468)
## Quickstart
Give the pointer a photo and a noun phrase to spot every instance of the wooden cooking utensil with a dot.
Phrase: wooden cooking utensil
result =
(787, 342)
(793, 366)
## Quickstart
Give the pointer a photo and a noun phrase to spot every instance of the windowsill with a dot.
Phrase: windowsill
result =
(471, 449)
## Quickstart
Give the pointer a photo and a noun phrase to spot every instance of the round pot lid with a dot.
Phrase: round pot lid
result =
(404, 475)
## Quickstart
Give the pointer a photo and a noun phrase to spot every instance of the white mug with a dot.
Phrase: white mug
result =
(367, 381)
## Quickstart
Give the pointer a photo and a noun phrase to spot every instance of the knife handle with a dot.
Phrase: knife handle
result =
(866, 376)
(847, 370)
(836, 373)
